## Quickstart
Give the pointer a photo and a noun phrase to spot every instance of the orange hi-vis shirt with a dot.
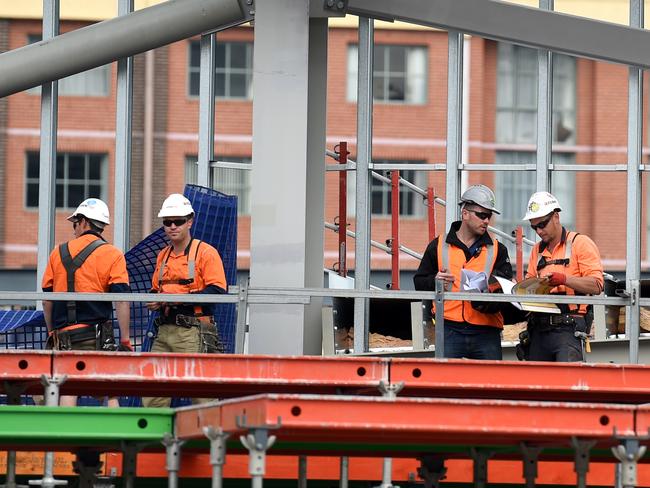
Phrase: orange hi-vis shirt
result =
(584, 261)
(103, 271)
(208, 270)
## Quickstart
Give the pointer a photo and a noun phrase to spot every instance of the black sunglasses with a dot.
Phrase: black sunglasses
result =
(542, 224)
(481, 215)
(176, 222)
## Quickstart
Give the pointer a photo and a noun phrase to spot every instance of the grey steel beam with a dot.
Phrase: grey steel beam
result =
(528, 26)
(454, 124)
(47, 158)
(110, 40)
(544, 112)
(634, 156)
(364, 159)
(123, 118)
(206, 107)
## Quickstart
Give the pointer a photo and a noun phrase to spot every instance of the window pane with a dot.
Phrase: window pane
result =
(194, 84)
(396, 89)
(381, 52)
(32, 195)
(195, 54)
(32, 165)
(397, 59)
(94, 191)
(76, 167)
(76, 195)
(238, 85)
(95, 167)
(379, 88)
(60, 166)
(353, 54)
(220, 85)
(221, 55)
(377, 201)
(237, 55)
(59, 196)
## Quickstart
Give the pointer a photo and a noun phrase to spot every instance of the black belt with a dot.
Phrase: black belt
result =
(552, 320)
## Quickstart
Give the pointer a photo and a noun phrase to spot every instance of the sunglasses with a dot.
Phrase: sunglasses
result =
(481, 215)
(176, 222)
(542, 224)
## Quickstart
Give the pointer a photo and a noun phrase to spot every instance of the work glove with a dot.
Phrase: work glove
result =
(125, 345)
(556, 279)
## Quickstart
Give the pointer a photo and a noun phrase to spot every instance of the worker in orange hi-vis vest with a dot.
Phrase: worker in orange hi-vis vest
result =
(88, 264)
(570, 263)
(187, 265)
(472, 329)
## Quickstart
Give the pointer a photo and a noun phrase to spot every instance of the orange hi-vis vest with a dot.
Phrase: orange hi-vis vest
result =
(452, 259)
(567, 265)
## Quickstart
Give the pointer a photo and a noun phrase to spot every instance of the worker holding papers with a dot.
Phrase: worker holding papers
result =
(563, 263)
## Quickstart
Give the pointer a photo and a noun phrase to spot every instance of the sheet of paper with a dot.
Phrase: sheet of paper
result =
(530, 286)
(473, 281)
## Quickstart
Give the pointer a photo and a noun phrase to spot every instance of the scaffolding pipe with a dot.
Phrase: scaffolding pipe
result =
(113, 39)
(394, 240)
(343, 210)
(519, 245)
(431, 213)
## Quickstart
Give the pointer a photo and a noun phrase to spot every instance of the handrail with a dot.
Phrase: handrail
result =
(352, 165)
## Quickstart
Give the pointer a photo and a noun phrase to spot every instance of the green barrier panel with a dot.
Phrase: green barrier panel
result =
(79, 426)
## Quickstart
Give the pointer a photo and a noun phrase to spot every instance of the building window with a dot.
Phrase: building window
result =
(234, 69)
(516, 123)
(95, 82)
(226, 180)
(78, 176)
(410, 203)
(517, 96)
(400, 74)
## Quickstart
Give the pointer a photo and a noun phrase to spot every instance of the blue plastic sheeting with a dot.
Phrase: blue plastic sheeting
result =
(215, 222)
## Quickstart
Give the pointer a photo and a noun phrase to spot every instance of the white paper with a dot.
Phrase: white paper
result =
(529, 286)
(473, 281)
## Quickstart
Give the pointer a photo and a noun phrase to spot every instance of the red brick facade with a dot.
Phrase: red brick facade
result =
(401, 132)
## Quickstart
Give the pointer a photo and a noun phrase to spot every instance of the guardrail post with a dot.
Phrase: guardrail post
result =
(440, 319)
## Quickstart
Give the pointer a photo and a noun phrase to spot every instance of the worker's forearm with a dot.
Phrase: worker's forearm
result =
(584, 284)
(124, 318)
(47, 314)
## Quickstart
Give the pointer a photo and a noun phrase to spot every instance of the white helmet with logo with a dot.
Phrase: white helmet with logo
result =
(481, 195)
(176, 205)
(93, 209)
(541, 204)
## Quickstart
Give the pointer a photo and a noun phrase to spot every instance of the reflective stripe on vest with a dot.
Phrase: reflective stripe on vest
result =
(71, 266)
(460, 311)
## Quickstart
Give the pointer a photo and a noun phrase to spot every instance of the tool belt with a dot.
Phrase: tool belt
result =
(102, 333)
(575, 322)
(204, 323)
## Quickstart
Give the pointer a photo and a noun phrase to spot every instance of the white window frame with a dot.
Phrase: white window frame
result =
(227, 70)
(415, 75)
(65, 181)
(225, 180)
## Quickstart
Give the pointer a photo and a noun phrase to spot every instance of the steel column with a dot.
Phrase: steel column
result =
(113, 39)
(123, 119)
(173, 459)
(47, 158)
(454, 124)
(634, 155)
(364, 159)
(544, 112)
(302, 471)
(217, 439)
(206, 108)
(289, 111)
(345, 472)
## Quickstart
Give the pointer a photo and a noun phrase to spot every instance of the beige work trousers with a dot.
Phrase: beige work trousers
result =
(174, 338)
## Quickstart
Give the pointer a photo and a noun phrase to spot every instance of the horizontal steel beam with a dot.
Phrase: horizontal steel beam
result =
(108, 41)
(532, 27)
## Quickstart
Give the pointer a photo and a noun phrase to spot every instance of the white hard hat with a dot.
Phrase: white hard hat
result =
(481, 195)
(541, 204)
(176, 205)
(92, 209)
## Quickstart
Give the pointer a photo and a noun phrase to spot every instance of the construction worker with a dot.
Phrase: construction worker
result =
(570, 262)
(472, 329)
(88, 264)
(187, 265)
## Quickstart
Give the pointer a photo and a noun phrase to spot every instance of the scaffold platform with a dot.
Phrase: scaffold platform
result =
(460, 411)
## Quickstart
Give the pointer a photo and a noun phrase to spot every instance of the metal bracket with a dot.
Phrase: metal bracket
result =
(248, 7)
(480, 457)
(432, 470)
(582, 460)
(217, 438)
(628, 453)
(338, 6)
(530, 457)
(390, 390)
(257, 442)
(173, 458)
(242, 312)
